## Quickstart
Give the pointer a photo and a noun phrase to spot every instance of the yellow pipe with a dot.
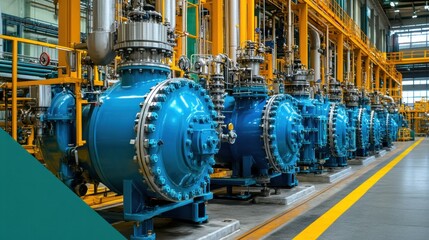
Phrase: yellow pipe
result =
(79, 102)
(377, 78)
(52, 81)
(217, 27)
(33, 42)
(97, 81)
(303, 34)
(251, 19)
(368, 74)
(390, 87)
(243, 22)
(384, 83)
(340, 57)
(15, 89)
(68, 31)
(359, 68)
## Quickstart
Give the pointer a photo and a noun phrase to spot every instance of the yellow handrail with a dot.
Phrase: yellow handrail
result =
(15, 84)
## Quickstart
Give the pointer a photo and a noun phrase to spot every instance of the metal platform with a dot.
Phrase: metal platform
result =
(327, 177)
(381, 153)
(393, 147)
(287, 196)
(362, 160)
(213, 230)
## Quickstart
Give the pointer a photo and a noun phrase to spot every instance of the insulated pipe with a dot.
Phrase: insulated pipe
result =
(315, 54)
(100, 41)
(385, 97)
(170, 13)
(233, 28)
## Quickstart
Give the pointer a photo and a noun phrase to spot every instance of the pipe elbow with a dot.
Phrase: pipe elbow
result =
(100, 47)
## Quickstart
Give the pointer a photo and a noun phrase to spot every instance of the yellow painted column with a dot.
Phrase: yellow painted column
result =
(243, 22)
(303, 33)
(358, 68)
(68, 31)
(367, 70)
(15, 89)
(390, 86)
(377, 77)
(251, 20)
(384, 83)
(217, 28)
(340, 57)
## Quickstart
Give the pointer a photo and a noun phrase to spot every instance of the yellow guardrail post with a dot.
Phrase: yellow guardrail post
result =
(15, 89)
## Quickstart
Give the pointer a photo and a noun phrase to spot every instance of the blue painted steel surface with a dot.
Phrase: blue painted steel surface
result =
(179, 137)
(352, 115)
(154, 134)
(252, 156)
(58, 138)
(389, 128)
(375, 132)
(315, 137)
(336, 151)
(362, 131)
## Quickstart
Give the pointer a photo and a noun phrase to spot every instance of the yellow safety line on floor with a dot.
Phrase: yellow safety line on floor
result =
(284, 217)
(318, 227)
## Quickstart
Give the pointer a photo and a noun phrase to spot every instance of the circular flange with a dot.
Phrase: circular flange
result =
(337, 130)
(176, 140)
(283, 132)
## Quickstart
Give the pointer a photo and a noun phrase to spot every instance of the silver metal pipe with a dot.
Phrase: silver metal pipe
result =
(274, 57)
(184, 4)
(170, 13)
(233, 16)
(100, 41)
(385, 97)
(315, 53)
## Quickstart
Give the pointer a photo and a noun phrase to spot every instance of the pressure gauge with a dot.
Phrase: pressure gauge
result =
(44, 59)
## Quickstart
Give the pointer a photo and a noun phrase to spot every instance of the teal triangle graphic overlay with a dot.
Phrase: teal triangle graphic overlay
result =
(34, 204)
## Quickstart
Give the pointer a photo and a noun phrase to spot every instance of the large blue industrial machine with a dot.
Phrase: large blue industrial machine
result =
(269, 129)
(341, 134)
(148, 137)
(358, 117)
(388, 126)
(313, 119)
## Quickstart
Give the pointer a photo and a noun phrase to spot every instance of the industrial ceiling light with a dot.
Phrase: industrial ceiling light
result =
(396, 10)
(427, 6)
(392, 4)
(414, 11)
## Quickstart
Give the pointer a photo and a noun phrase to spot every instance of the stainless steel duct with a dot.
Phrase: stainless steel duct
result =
(233, 20)
(315, 53)
(100, 40)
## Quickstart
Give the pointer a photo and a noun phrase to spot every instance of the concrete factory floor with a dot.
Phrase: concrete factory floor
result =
(395, 207)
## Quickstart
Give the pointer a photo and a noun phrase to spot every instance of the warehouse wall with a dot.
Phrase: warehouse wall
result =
(42, 10)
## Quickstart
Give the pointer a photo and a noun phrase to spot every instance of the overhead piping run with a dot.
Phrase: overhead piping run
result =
(233, 17)
(315, 52)
(100, 40)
